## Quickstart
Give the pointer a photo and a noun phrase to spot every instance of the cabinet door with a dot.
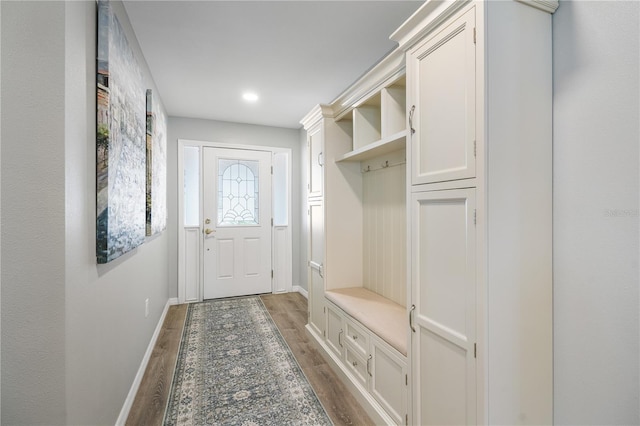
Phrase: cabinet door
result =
(444, 318)
(388, 380)
(316, 302)
(442, 80)
(315, 141)
(335, 330)
(316, 267)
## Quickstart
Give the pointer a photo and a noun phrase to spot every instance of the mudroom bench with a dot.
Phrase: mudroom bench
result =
(366, 335)
(381, 316)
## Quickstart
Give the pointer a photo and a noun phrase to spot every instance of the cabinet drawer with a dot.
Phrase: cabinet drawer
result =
(357, 337)
(356, 365)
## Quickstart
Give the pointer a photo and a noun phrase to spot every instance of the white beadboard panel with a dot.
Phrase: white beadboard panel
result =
(192, 264)
(384, 221)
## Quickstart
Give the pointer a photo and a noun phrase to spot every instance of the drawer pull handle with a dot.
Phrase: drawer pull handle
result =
(368, 361)
(355, 363)
(355, 337)
(340, 338)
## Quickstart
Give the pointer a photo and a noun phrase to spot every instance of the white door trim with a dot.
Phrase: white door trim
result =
(190, 283)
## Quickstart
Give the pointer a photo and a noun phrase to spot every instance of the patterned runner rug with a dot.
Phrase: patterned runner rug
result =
(234, 368)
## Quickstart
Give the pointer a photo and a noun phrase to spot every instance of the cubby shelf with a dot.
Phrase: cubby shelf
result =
(386, 145)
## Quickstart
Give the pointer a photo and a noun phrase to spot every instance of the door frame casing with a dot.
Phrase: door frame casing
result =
(191, 283)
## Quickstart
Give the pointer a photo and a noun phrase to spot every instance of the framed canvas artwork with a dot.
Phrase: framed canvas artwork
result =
(156, 167)
(120, 142)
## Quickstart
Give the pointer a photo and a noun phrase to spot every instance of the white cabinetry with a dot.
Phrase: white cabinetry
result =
(442, 71)
(389, 381)
(315, 142)
(316, 266)
(444, 296)
(357, 185)
(479, 102)
(477, 126)
(335, 330)
(370, 362)
(331, 214)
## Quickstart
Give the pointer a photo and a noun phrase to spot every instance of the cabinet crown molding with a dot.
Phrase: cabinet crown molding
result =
(318, 112)
(433, 12)
(545, 5)
(387, 70)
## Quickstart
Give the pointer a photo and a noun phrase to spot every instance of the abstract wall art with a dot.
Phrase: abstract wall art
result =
(120, 146)
(156, 167)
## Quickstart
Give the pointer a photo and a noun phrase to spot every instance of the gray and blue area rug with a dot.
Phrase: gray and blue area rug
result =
(234, 368)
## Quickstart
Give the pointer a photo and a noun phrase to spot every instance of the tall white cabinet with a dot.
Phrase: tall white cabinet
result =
(330, 260)
(479, 88)
(477, 279)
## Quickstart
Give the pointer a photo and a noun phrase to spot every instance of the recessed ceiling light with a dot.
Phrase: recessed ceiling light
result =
(250, 97)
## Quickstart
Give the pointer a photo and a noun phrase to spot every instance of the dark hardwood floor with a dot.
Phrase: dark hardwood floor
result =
(289, 312)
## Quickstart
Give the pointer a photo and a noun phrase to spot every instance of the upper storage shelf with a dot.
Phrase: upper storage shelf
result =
(383, 146)
(379, 122)
(375, 107)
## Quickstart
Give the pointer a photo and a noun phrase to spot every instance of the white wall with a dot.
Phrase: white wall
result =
(596, 113)
(73, 332)
(225, 132)
(33, 220)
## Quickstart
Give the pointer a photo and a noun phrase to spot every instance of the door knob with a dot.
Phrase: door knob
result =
(209, 231)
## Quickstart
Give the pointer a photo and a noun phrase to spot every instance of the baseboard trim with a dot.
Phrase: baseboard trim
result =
(300, 290)
(128, 403)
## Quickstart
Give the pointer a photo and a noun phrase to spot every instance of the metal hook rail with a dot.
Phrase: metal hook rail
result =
(384, 165)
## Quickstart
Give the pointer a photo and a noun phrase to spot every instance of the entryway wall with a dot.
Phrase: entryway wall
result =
(73, 332)
(231, 133)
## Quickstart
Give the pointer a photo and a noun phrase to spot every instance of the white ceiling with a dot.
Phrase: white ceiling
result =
(294, 54)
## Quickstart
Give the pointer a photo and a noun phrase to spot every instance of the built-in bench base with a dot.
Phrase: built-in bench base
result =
(365, 341)
(381, 316)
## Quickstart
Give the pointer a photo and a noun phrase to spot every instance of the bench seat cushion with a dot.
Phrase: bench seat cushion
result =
(385, 318)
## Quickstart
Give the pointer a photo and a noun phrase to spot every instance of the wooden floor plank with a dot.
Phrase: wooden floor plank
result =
(289, 312)
(151, 400)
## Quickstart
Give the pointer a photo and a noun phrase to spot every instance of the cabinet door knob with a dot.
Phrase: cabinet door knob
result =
(355, 363)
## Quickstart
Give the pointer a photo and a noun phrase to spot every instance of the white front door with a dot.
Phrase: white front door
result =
(236, 222)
